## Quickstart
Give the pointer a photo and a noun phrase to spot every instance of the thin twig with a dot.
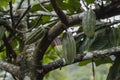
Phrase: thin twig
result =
(11, 13)
(22, 16)
(14, 77)
(30, 28)
(10, 53)
(20, 4)
(28, 2)
(84, 4)
(5, 75)
(46, 1)
(34, 15)
(43, 14)
(60, 13)
(39, 19)
(43, 7)
(93, 69)
(7, 26)
(28, 24)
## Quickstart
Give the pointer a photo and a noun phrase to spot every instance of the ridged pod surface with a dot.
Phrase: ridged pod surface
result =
(36, 35)
(69, 47)
(88, 23)
(58, 50)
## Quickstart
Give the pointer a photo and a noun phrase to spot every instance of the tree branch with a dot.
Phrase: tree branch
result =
(6, 24)
(82, 57)
(109, 10)
(21, 17)
(60, 13)
(10, 53)
(28, 18)
(45, 1)
(23, 32)
(43, 7)
(20, 4)
(11, 13)
(43, 14)
(15, 70)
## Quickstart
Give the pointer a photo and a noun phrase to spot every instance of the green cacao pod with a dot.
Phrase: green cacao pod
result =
(36, 35)
(69, 47)
(88, 23)
(58, 49)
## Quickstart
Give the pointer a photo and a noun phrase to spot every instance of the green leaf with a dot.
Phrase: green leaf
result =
(101, 40)
(102, 60)
(45, 19)
(14, 43)
(74, 5)
(114, 72)
(63, 5)
(46, 60)
(89, 1)
(114, 36)
(3, 3)
(87, 44)
(37, 7)
(33, 21)
(50, 55)
(83, 63)
(2, 55)
(47, 76)
(21, 45)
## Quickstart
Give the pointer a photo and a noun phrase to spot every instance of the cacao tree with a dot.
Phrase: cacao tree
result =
(39, 36)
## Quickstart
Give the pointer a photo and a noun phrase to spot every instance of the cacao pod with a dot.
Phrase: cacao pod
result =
(58, 50)
(69, 47)
(36, 35)
(88, 23)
